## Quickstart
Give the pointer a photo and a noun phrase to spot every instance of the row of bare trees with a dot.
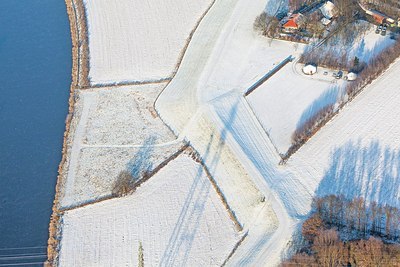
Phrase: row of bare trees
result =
(356, 215)
(375, 67)
(330, 238)
(311, 125)
(327, 249)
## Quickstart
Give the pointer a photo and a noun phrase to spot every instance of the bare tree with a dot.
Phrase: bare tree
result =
(330, 252)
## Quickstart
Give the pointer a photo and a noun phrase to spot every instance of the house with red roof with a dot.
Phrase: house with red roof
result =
(293, 23)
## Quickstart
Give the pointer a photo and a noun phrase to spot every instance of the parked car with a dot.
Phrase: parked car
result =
(334, 74)
(378, 30)
(339, 75)
(383, 32)
(325, 73)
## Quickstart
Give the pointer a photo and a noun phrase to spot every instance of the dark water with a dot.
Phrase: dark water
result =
(35, 74)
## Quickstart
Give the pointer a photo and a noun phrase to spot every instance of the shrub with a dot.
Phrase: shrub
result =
(124, 184)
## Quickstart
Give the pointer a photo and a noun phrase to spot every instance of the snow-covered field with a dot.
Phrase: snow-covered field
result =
(129, 113)
(176, 215)
(285, 101)
(208, 88)
(357, 153)
(289, 98)
(134, 40)
(112, 129)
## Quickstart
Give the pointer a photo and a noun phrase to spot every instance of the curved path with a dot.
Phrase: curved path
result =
(191, 99)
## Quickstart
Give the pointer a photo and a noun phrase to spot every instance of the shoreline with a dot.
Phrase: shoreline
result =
(78, 66)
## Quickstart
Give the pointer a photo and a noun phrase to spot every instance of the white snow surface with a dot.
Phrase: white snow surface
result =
(239, 140)
(369, 44)
(224, 58)
(285, 101)
(210, 83)
(357, 153)
(135, 40)
(113, 129)
(176, 215)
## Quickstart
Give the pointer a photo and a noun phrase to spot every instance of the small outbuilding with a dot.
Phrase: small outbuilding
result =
(310, 69)
(351, 76)
(325, 21)
(329, 10)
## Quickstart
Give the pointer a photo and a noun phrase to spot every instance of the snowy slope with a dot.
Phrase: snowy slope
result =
(177, 215)
(357, 153)
(133, 40)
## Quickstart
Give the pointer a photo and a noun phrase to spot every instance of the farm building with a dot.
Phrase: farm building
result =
(379, 17)
(294, 22)
(329, 10)
(310, 69)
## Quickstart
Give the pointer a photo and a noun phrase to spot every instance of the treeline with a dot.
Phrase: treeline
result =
(327, 57)
(310, 126)
(334, 54)
(375, 67)
(335, 221)
(355, 215)
(328, 250)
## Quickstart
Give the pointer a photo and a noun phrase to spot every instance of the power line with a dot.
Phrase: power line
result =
(17, 248)
(22, 257)
(23, 254)
(23, 264)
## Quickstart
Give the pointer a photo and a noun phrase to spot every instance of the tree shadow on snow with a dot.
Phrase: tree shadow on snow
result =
(141, 162)
(274, 7)
(371, 172)
(327, 98)
(181, 240)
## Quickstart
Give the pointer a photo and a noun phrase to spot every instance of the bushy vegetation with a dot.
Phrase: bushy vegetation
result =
(124, 184)
(266, 25)
(311, 125)
(345, 232)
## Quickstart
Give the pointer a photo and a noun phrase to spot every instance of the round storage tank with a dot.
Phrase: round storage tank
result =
(310, 69)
